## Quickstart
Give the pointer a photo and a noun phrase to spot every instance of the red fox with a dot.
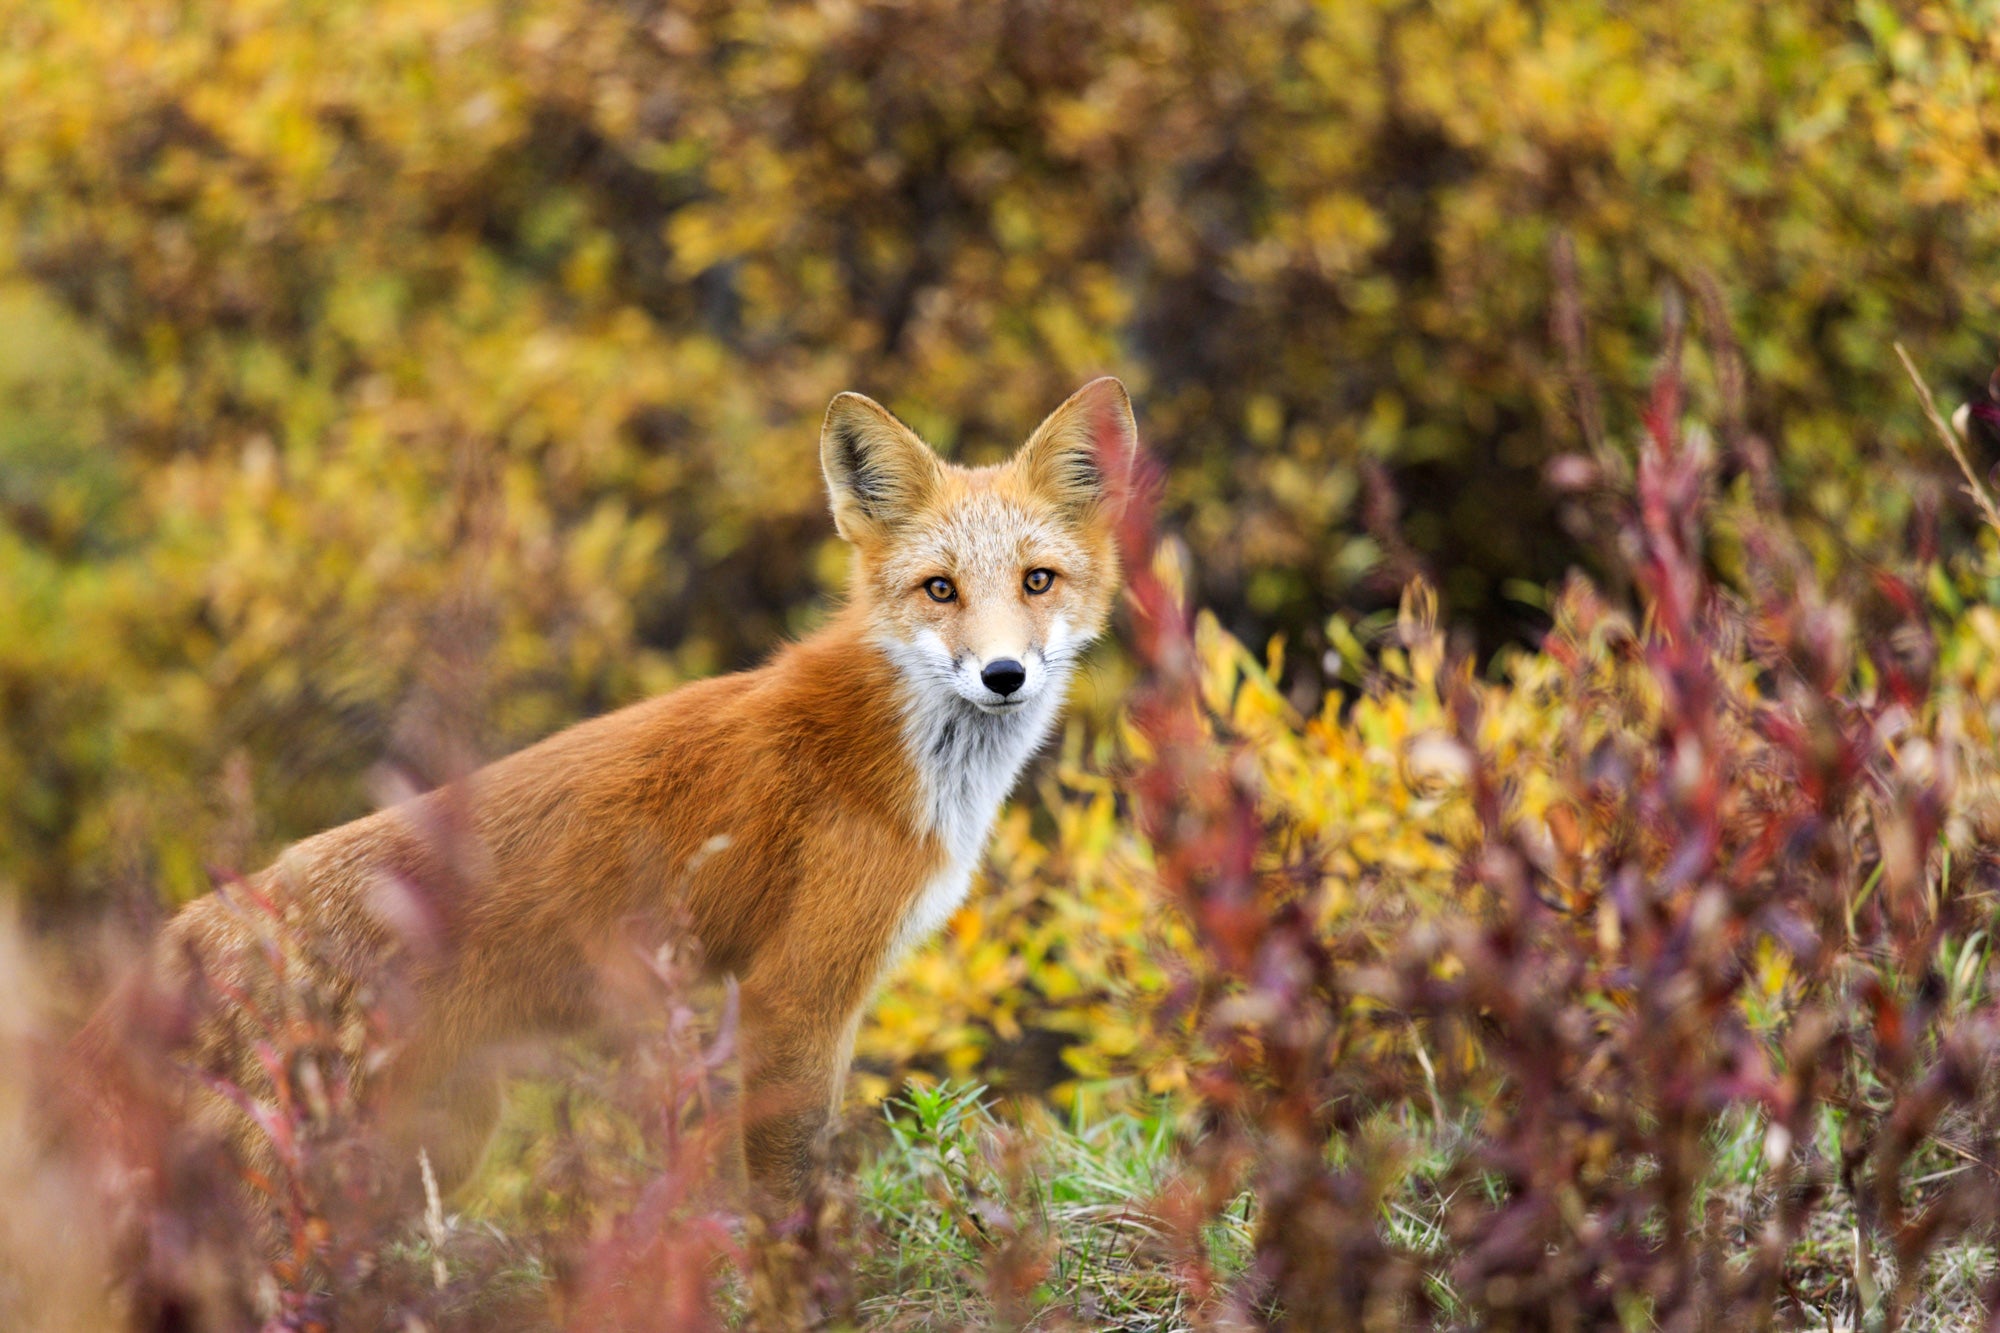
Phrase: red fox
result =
(807, 821)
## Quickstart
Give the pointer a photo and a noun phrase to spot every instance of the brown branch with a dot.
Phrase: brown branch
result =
(1951, 441)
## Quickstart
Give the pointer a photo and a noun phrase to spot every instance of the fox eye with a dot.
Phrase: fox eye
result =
(941, 590)
(1039, 580)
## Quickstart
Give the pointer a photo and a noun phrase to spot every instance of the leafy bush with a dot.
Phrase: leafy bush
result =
(1727, 892)
(343, 334)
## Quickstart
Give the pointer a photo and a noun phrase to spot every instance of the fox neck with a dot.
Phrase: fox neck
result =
(967, 760)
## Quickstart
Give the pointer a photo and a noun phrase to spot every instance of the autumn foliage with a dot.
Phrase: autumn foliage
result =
(341, 332)
(1529, 849)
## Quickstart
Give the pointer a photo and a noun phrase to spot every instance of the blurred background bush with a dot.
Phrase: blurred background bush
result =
(372, 373)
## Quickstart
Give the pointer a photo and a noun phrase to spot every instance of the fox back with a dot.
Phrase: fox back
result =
(806, 821)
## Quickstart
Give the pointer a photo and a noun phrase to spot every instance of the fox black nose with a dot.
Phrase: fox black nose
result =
(1004, 676)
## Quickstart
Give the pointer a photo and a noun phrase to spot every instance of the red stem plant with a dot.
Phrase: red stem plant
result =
(1264, 989)
(1726, 907)
(304, 1223)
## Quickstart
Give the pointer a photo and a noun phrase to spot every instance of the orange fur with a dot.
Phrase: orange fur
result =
(803, 820)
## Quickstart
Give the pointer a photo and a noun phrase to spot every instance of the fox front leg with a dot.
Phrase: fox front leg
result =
(794, 1067)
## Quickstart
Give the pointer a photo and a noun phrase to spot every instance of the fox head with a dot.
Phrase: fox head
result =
(983, 585)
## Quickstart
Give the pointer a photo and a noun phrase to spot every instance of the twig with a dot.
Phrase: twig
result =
(1971, 1158)
(434, 1221)
(1951, 441)
(1572, 336)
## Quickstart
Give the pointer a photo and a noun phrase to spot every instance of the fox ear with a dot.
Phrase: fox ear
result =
(1084, 449)
(878, 473)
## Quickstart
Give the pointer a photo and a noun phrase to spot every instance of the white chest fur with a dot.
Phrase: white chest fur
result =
(967, 761)
(934, 906)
